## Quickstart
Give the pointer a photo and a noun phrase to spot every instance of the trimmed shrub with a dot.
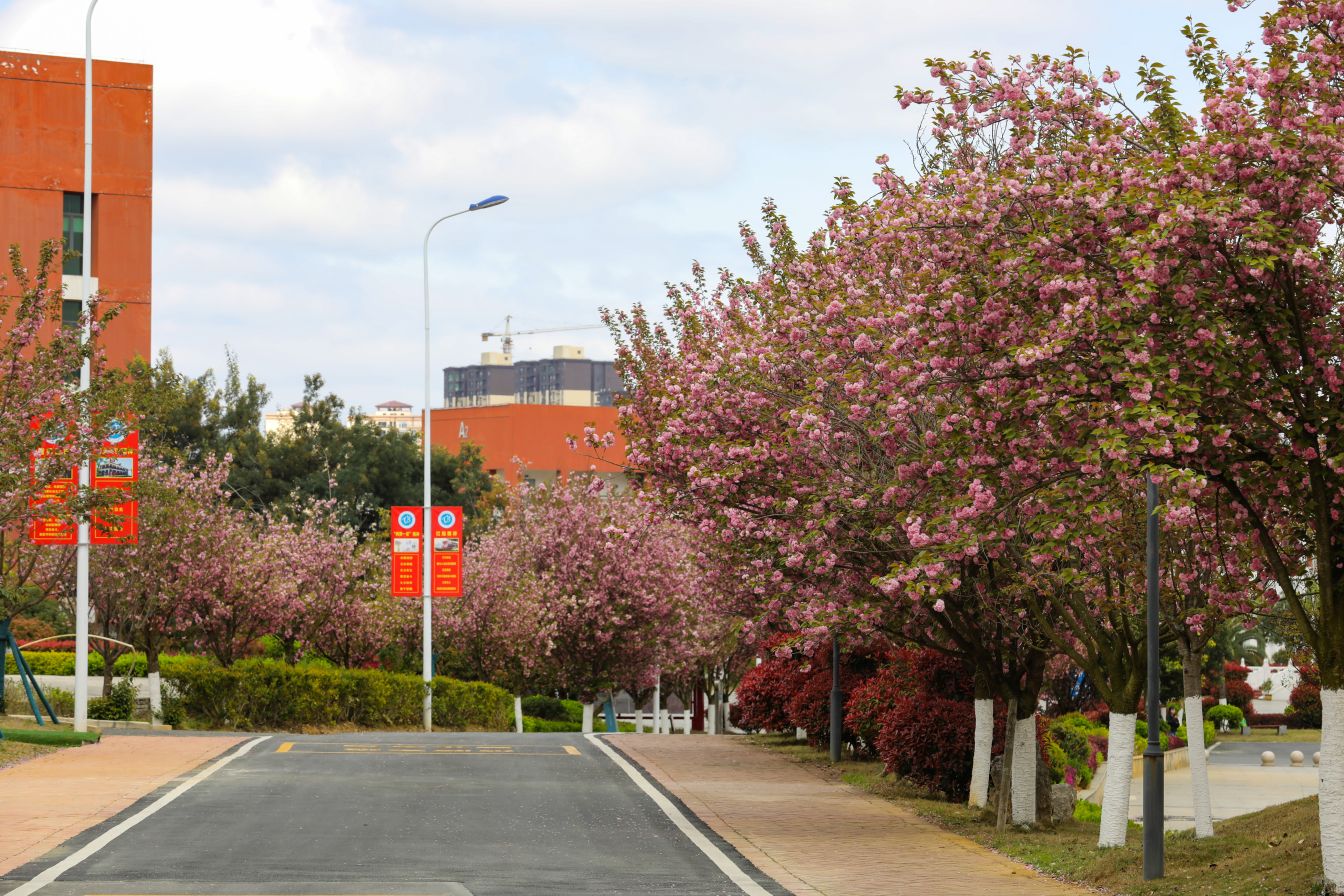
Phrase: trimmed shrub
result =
(810, 707)
(1240, 694)
(53, 662)
(540, 706)
(266, 694)
(1305, 703)
(931, 742)
(1228, 715)
(764, 693)
(870, 700)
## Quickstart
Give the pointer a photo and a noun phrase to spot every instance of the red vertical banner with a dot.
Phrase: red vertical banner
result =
(446, 542)
(407, 561)
(53, 529)
(117, 465)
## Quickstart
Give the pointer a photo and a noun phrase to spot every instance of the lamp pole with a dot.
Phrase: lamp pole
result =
(427, 656)
(1153, 823)
(85, 374)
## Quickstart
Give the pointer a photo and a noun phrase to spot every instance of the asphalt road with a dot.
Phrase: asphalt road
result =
(403, 815)
(1248, 753)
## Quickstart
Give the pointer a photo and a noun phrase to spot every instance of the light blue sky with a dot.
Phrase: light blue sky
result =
(302, 147)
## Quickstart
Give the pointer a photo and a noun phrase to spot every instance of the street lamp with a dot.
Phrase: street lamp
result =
(427, 658)
(85, 373)
(1153, 811)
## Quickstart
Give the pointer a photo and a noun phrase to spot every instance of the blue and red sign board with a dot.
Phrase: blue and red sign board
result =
(410, 539)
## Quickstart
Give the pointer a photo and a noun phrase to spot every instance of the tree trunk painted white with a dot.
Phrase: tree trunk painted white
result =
(155, 697)
(587, 718)
(658, 706)
(711, 719)
(984, 745)
(639, 720)
(517, 714)
(1119, 777)
(1024, 771)
(1199, 768)
(1332, 786)
(687, 716)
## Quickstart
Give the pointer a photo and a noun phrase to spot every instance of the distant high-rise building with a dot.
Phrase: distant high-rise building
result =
(565, 378)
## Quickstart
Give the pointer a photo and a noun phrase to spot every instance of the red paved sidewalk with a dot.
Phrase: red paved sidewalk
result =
(46, 801)
(818, 837)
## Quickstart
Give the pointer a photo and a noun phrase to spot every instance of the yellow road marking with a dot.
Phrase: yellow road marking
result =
(573, 751)
(285, 747)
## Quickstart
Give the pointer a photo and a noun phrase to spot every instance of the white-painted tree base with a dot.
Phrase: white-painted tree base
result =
(1332, 787)
(1024, 771)
(1199, 767)
(155, 697)
(1119, 777)
(639, 720)
(984, 746)
(687, 715)
(588, 718)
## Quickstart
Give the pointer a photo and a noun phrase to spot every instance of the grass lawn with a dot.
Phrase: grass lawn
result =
(13, 752)
(1275, 852)
(1271, 736)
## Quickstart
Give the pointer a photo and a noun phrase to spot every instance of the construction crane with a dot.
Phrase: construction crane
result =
(508, 334)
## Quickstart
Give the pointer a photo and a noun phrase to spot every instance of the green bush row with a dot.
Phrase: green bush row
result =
(261, 694)
(63, 663)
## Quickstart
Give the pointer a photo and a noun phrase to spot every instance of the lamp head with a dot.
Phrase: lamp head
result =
(491, 202)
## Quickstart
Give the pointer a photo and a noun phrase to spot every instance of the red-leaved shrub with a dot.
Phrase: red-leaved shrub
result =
(764, 693)
(1306, 703)
(930, 741)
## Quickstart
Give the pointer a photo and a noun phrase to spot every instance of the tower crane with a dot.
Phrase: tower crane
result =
(508, 334)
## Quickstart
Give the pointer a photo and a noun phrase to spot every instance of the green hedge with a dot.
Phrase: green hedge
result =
(262, 694)
(50, 737)
(63, 663)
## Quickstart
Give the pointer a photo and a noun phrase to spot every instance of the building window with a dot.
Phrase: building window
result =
(72, 232)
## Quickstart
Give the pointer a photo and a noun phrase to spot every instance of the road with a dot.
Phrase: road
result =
(403, 815)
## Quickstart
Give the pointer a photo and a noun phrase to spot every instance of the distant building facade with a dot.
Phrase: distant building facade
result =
(566, 378)
(395, 415)
(529, 441)
(42, 182)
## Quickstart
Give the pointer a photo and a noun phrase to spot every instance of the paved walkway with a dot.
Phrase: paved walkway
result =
(818, 837)
(48, 800)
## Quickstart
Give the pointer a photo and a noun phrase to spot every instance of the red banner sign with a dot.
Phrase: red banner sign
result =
(116, 466)
(407, 561)
(446, 561)
(50, 530)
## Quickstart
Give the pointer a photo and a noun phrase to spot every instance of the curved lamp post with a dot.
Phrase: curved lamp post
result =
(427, 658)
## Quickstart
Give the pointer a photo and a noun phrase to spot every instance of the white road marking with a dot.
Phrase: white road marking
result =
(712, 852)
(107, 837)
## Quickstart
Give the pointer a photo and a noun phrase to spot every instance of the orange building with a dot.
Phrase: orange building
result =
(42, 181)
(536, 435)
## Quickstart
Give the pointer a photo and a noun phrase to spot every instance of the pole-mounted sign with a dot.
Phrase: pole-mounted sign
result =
(407, 537)
(446, 562)
(117, 465)
(444, 541)
(50, 529)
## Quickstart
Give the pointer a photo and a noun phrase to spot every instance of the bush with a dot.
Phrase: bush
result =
(1075, 737)
(117, 705)
(1305, 702)
(16, 702)
(540, 706)
(764, 693)
(1229, 716)
(266, 694)
(1087, 811)
(1210, 734)
(931, 742)
(53, 662)
(1240, 694)
(810, 707)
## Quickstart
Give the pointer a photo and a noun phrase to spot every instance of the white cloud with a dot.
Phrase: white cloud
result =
(600, 138)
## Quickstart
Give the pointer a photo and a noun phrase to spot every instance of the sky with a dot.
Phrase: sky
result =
(302, 149)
